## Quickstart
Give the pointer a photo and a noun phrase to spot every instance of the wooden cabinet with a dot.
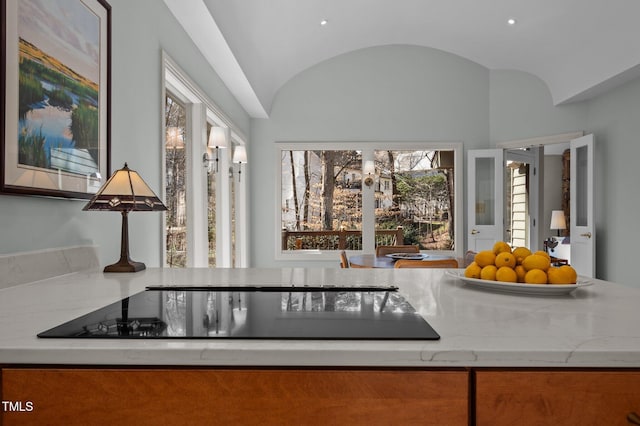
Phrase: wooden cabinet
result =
(288, 396)
(236, 396)
(589, 397)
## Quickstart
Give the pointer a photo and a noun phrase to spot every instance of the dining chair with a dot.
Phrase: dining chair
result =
(344, 260)
(469, 257)
(383, 250)
(436, 263)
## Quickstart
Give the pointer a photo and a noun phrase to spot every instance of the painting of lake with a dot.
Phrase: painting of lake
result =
(58, 117)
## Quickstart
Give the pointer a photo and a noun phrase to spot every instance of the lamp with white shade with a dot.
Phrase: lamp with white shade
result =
(240, 157)
(558, 221)
(174, 138)
(217, 140)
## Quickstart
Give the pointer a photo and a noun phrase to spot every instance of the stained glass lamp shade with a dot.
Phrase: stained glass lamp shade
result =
(125, 191)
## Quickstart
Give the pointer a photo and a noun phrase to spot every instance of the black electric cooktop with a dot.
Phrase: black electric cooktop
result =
(256, 312)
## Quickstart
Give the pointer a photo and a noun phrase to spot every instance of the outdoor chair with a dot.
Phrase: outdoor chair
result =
(344, 261)
(469, 257)
(384, 250)
(436, 263)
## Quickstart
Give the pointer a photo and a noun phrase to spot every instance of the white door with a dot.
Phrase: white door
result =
(484, 198)
(582, 225)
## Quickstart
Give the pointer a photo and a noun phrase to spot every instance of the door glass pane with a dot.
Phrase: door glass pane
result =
(414, 200)
(321, 193)
(176, 168)
(211, 206)
(582, 184)
(485, 191)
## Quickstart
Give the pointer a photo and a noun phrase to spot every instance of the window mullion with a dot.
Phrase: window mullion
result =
(223, 205)
(368, 209)
(196, 188)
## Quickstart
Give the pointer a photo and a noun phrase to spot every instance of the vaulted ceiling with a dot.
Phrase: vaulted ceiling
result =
(579, 48)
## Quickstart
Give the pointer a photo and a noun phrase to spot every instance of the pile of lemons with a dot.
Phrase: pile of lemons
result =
(519, 265)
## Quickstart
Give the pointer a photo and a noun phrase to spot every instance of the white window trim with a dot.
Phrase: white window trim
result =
(242, 215)
(368, 201)
(200, 110)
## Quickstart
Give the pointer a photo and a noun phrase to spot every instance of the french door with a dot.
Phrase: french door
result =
(582, 227)
(485, 195)
(484, 198)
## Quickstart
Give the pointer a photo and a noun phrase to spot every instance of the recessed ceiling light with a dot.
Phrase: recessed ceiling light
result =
(511, 21)
(324, 22)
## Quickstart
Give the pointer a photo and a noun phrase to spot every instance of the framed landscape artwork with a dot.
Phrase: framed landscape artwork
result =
(56, 92)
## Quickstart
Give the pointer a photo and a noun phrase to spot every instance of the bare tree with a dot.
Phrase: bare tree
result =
(175, 118)
(295, 190)
(328, 187)
(307, 185)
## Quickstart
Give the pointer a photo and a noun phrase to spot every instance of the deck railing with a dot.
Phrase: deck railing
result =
(337, 240)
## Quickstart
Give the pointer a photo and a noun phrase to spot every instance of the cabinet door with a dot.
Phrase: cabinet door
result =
(556, 398)
(237, 396)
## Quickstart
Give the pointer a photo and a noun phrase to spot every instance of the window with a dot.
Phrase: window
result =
(326, 205)
(321, 199)
(212, 174)
(175, 182)
(205, 225)
(416, 198)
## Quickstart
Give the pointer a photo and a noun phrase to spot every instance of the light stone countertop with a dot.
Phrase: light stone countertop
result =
(595, 326)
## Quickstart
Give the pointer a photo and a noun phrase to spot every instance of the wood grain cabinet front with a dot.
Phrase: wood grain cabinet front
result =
(557, 397)
(236, 396)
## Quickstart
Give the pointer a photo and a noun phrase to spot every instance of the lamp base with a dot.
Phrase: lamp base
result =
(125, 266)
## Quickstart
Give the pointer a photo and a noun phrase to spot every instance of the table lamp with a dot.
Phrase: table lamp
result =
(558, 221)
(125, 191)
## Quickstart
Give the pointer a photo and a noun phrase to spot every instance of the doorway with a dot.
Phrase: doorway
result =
(534, 211)
(581, 235)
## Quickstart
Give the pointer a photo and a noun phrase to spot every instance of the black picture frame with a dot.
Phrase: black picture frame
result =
(56, 94)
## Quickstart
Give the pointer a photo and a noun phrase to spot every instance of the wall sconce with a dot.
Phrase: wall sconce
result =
(368, 170)
(125, 191)
(558, 221)
(217, 140)
(239, 157)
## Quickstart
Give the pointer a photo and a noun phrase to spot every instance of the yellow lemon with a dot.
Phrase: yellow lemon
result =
(484, 258)
(564, 274)
(520, 253)
(472, 271)
(489, 272)
(554, 276)
(571, 273)
(506, 274)
(535, 276)
(542, 253)
(536, 261)
(520, 273)
(501, 247)
(505, 259)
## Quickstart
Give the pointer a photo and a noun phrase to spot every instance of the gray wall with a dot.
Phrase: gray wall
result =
(140, 30)
(387, 93)
(614, 119)
(521, 107)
